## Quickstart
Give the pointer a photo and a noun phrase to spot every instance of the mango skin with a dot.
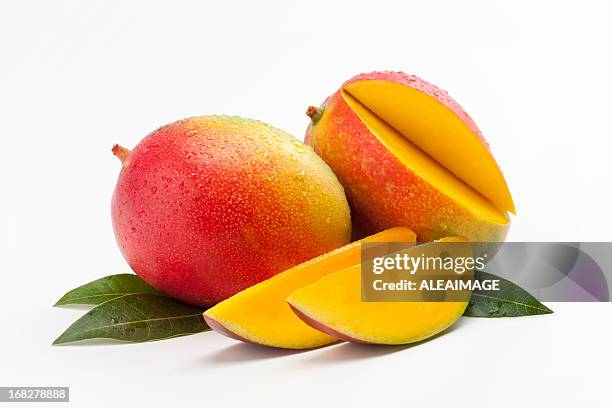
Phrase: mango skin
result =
(208, 206)
(381, 191)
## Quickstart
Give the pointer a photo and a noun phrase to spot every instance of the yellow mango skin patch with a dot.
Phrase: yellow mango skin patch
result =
(260, 313)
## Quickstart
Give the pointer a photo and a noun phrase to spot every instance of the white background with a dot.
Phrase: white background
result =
(77, 77)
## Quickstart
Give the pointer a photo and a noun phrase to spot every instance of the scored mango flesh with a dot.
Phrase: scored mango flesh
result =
(431, 140)
(260, 313)
(333, 304)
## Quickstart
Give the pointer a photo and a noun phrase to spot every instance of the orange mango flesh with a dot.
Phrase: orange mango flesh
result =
(415, 121)
(333, 305)
(260, 313)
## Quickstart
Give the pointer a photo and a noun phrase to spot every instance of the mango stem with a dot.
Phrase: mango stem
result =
(314, 114)
(121, 152)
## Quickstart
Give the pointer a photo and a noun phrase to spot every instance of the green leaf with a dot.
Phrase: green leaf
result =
(136, 318)
(107, 288)
(509, 301)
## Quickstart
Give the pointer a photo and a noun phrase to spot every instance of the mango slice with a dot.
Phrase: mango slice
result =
(333, 305)
(260, 314)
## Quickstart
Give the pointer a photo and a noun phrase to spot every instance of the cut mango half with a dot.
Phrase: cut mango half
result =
(434, 142)
(261, 315)
(333, 305)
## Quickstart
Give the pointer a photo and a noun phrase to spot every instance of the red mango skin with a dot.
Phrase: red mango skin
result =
(208, 206)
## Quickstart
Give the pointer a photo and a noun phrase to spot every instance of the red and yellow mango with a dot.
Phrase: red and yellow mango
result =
(407, 154)
(208, 206)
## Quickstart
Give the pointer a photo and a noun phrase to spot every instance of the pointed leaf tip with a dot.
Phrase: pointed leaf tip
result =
(107, 288)
(509, 301)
